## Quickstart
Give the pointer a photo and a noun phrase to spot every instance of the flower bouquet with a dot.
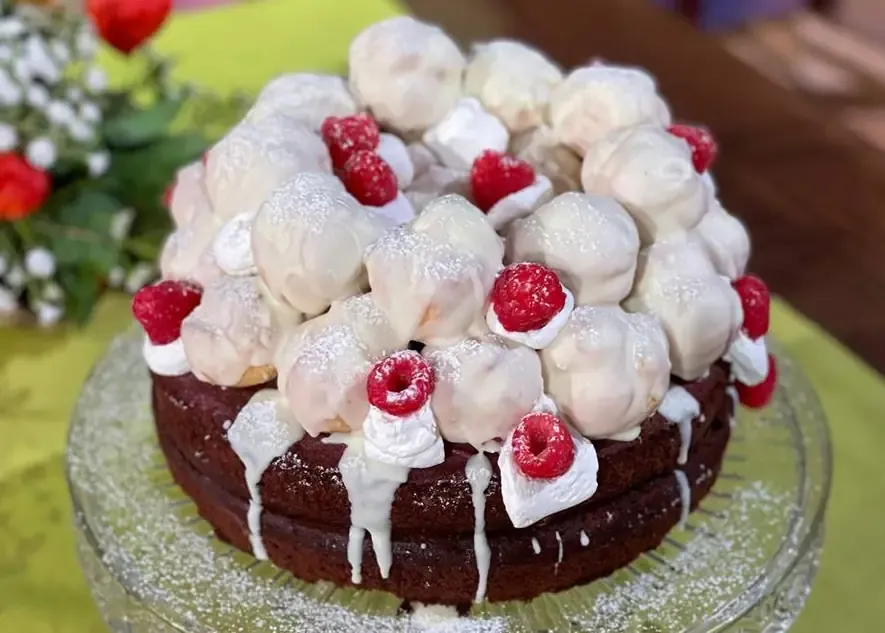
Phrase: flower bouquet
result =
(83, 166)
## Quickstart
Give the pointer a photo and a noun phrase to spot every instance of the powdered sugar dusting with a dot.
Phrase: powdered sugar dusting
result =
(152, 543)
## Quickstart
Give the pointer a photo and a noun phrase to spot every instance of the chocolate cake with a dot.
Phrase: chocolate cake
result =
(455, 328)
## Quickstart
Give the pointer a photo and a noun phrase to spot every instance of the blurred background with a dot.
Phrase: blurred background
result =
(793, 89)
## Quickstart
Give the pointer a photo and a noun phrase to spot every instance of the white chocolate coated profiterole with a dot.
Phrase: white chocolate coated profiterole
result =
(308, 97)
(432, 277)
(189, 196)
(651, 173)
(725, 241)
(698, 308)
(187, 252)
(229, 332)
(255, 158)
(513, 82)
(596, 100)
(323, 364)
(607, 370)
(590, 240)
(483, 388)
(406, 72)
(308, 241)
(540, 148)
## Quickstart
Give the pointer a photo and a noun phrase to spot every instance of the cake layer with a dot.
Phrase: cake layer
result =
(571, 548)
(305, 483)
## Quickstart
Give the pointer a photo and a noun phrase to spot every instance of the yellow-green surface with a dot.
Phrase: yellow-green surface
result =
(240, 47)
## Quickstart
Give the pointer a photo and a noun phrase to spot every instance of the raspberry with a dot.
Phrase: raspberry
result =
(162, 307)
(495, 175)
(401, 383)
(167, 195)
(526, 296)
(703, 146)
(369, 179)
(759, 396)
(346, 135)
(543, 448)
(756, 303)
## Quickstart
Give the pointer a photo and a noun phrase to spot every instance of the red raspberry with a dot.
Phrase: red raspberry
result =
(162, 307)
(495, 175)
(369, 179)
(526, 296)
(346, 135)
(759, 396)
(401, 383)
(703, 146)
(167, 195)
(543, 448)
(756, 303)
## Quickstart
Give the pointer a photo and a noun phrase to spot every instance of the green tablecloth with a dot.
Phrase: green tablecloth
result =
(241, 46)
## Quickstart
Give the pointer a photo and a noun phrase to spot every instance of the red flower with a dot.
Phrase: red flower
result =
(23, 187)
(127, 24)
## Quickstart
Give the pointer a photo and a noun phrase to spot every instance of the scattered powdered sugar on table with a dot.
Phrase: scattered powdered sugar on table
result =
(151, 542)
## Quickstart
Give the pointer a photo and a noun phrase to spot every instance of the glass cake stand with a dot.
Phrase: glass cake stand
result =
(745, 561)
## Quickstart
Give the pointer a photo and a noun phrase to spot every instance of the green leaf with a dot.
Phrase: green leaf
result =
(79, 234)
(141, 127)
(82, 287)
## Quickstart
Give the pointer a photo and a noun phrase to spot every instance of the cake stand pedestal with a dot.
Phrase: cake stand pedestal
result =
(746, 559)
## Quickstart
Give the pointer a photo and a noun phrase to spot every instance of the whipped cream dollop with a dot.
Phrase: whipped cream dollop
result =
(412, 441)
(595, 100)
(540, 338)
(308, 240)
(681, 408)
(431, 277)
(698, 308)
(607, 370)
(651, 173)
(749, 359)
(464, 133)
(406, 72)
(397, 212)
(513, 81)
(520, 204)
(166, 360)
(232, 246)
(255, 158)
(528, 500)
(589, 240)
(308, 97)
(483, 388)
(396, 154)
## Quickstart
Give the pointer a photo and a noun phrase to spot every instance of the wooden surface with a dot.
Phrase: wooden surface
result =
(810, 191)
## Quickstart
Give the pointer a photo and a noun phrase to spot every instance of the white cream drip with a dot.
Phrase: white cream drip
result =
(749, 360)
(684, 496)
(681, 408)
(262, 432)
(411, 441)
(540, 338)
(479, 473)
(536, 546)
(166, 360)
(558, 555)
(371, 487)
(585, 540)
